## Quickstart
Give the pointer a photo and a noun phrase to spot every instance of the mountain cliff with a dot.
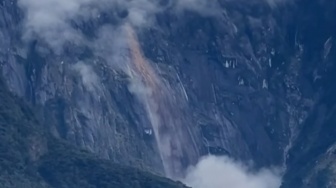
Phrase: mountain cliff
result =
(310, 162)
(158, 85)
(30, 157)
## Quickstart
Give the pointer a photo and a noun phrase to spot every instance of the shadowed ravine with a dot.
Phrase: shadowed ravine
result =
(163, 109)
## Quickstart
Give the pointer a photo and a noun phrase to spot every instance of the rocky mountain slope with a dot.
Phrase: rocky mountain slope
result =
(31, 157)
(310, 162)
(211, 83)
(246, 79)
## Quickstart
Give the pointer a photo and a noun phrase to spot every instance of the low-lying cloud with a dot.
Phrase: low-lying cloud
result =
(49, 20)
(89, 78)
(275, 3)
(52, 21)
(203, 7)
(223, 172)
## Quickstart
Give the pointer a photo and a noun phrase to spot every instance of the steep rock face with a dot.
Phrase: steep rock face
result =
(311, 159)
(99, 118)
(234, 82)
(31, 158)
(228, 85)
(224, 76)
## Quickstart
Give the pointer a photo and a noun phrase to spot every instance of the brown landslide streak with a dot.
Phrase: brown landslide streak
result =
(167, 127)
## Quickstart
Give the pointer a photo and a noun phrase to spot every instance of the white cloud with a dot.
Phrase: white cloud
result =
(141, 12)
(223, 172)
(203, 7)
(275, 3)
(50, 20)
(89, 77)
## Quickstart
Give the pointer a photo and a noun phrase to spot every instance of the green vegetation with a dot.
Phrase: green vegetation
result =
(31, 158)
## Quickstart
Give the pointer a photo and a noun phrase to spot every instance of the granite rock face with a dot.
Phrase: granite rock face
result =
(246, 81)
(100, 118)
(310, 162)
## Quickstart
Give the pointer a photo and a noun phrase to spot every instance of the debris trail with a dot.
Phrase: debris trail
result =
(161, 105)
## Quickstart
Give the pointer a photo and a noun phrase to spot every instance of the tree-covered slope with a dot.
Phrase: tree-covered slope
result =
(29, 157)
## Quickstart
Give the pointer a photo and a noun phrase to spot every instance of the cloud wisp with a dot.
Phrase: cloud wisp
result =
(219, 172)
(49, 21)
(53, 21)
(89, 78)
